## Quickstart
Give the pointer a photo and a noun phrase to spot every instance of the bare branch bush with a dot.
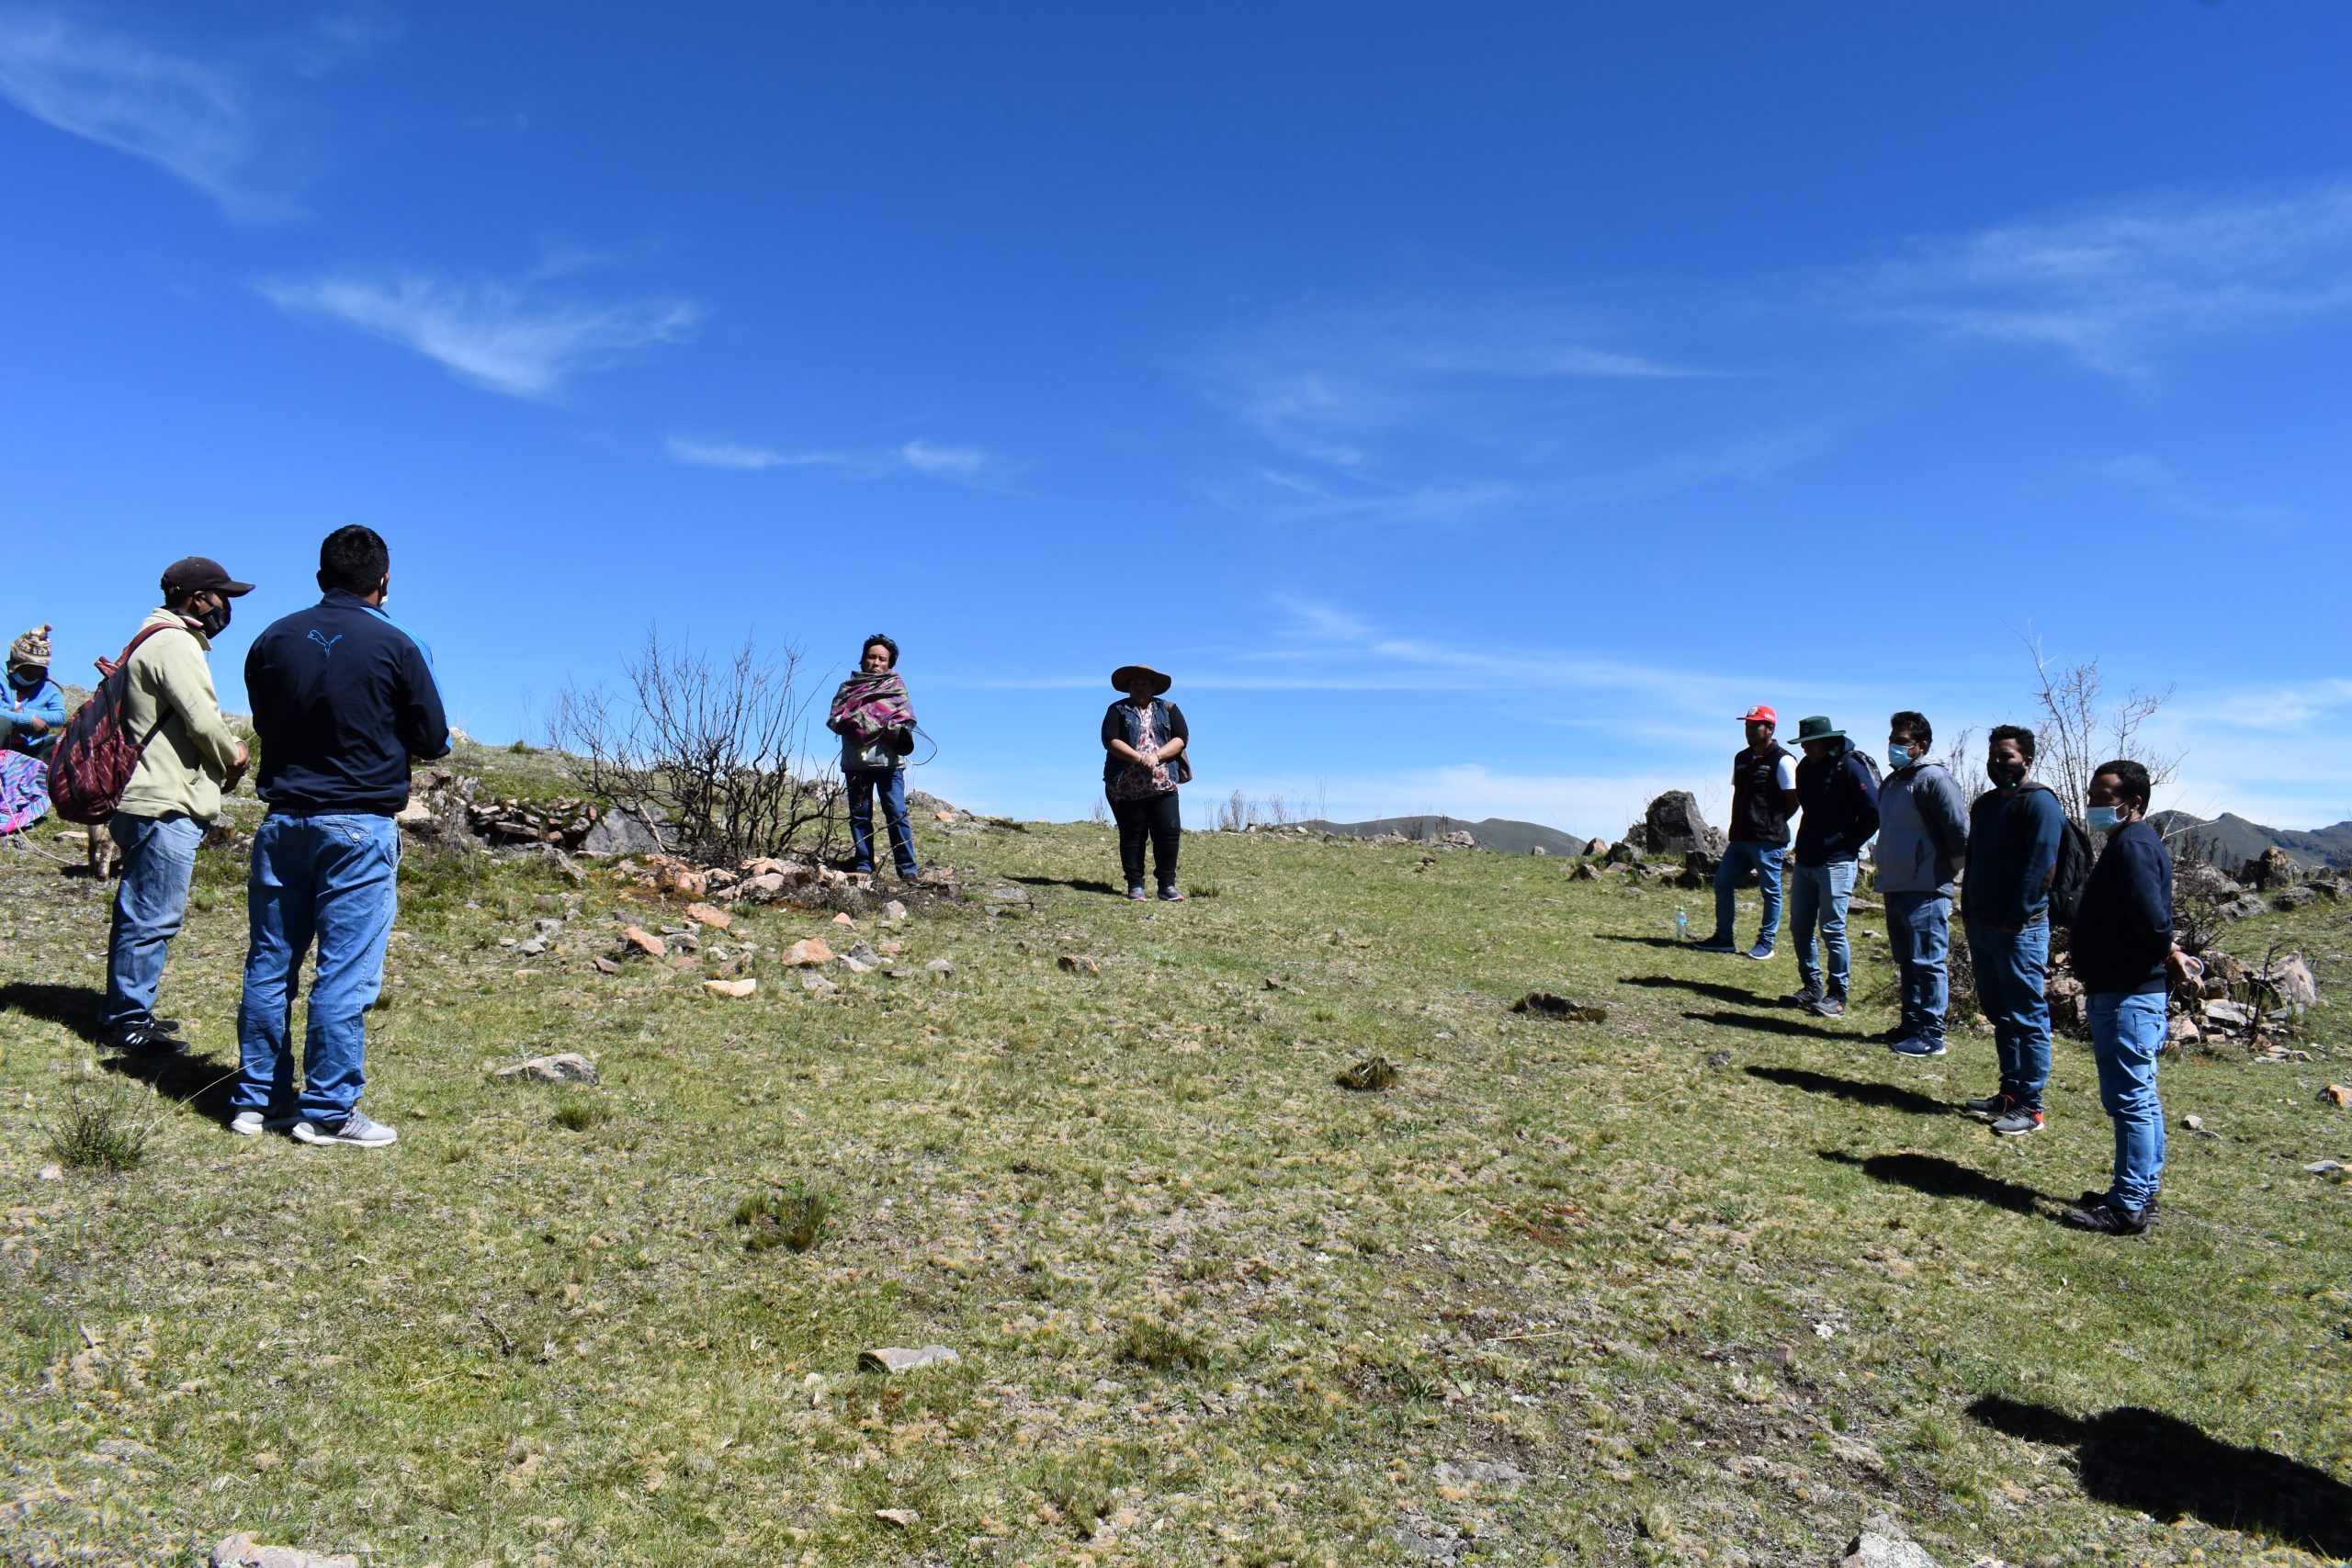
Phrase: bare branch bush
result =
(2081, 726)
(717, 746)
(1237, 813)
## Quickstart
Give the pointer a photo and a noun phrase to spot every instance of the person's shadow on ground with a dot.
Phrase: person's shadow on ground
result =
(1074, 884)
(78, 1008)
(1861, 1091)
(2162, 1466)
(201, 1083)
(1714, 990)
(1932, 1176)
(1771, 1025)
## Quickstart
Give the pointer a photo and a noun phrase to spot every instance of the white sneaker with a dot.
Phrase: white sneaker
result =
(254, 1124)
(355, 1129)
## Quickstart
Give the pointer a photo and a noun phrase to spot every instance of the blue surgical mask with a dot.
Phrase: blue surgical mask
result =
(2104, 819)
(1899, 755)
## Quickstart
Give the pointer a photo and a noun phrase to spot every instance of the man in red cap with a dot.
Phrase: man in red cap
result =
(1763, 798)
(190, 760)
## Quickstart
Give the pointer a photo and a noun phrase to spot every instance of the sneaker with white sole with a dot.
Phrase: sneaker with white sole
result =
(1761, 952)
(254, 1124)
(2017, 1122)
(355, 1129)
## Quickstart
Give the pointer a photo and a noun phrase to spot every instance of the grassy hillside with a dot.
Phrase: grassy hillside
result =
(1701, 1284)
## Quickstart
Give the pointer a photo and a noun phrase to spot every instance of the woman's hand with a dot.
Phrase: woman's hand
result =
(1168, 752)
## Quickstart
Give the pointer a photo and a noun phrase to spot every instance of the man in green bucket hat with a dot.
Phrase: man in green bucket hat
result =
(1838, 791)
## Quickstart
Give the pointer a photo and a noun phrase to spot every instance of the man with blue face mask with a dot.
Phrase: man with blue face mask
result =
(1922, 836)
(2014, 833)
(2122, 950)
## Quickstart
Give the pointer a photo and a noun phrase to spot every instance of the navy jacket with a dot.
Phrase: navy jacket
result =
(2012, 849)
(2123, 931)
(1839, 799)
(342, 699)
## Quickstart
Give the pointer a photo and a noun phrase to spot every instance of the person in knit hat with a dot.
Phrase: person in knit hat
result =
(36, 706)
(32, 710)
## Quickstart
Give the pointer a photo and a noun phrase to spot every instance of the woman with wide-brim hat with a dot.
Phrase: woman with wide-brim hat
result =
(1143, 741)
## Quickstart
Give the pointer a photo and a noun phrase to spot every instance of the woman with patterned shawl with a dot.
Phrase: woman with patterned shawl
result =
(876, 724)
(32, 710)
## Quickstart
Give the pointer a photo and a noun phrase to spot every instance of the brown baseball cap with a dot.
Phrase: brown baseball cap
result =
(202, 574)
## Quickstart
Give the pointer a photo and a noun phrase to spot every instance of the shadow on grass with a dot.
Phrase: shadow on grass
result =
(1884, 1096)
(78, 1008)
(200, 1083)
(1671, 943)
(1714, 990)
(1772, 1026)
(2163, 1466)
(1074, 884)
(1933, 1175)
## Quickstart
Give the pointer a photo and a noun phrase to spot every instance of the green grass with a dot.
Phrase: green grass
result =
(1210, 1306)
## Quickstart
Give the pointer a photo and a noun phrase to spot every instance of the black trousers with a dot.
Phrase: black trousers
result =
(1159, 817)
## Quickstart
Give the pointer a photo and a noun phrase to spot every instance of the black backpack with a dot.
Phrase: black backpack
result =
(2073, 866)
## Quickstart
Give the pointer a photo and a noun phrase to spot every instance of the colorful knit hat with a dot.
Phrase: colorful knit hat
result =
(31, 650)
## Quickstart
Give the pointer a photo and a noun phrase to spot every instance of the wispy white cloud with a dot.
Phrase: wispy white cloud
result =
(735, 454)
(2156, 480)
(487, 333)
(187, 116)
(2112, 288)
(944, 462)
(962, 465)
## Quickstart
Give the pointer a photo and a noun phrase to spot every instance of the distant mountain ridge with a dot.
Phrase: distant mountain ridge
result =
(1498, 833)
(2229, 839)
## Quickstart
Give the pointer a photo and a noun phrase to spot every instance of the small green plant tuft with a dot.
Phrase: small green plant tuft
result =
(1161, 1348)
(1371, 1073)
(793, 1216)
(579, 1115)
(97, 1136)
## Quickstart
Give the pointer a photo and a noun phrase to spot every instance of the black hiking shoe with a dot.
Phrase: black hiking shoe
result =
(2001, 1102)
(2108, 1220)
(141, 1039)
(1803, 998)
(2152, 1214)
(1830, 1007)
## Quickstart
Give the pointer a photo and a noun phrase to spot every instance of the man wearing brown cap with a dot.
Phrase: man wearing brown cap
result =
(188, 758)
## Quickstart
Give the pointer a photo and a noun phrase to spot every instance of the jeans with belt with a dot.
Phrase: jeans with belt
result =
(158, 864)
(331, 878)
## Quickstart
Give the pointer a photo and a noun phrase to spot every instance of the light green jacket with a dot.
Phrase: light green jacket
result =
(170, 695)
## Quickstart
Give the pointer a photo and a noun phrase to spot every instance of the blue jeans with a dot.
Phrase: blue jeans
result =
(892, 782)
(158, 862)
(1739, 858)
(335, 879)
(1820, 895)
(2127, 1031)
(1918, 927)
(2011, 970)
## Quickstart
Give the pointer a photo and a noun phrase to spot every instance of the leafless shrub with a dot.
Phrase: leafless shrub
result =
(1101, 813)
(1237, 813)
(720, 745)
(2081, 726)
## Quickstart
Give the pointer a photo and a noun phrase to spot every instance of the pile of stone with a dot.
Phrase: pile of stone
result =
(2272, 881)
(450, 806)
(1674, 826)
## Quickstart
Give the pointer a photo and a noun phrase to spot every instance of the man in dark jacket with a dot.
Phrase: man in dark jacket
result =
(342, 699)
(2013, 834)
(1763, 798)
(1922, 838)
(1838, 795)
(2122, 950)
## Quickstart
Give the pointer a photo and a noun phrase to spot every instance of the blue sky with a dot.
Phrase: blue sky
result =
(1474, 409)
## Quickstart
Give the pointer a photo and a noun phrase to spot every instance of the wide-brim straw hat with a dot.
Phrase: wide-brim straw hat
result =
(1123, 678)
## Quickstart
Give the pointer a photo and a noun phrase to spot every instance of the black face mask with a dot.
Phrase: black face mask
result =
(215, 621)
(2006, 775)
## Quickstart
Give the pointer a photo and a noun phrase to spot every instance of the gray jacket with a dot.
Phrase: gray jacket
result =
(1922, 830)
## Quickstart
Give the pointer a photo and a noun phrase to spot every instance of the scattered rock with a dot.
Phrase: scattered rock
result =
(1623, 853)
(709, 915)
(679, 881)
(1428, 1540)
(606, 966)
(2197, 1125)
(1719, 1058)
(843, 919)
(817, 983)
(1674, 826)
(1543, 1004)
(905, 1518)
(2293, 899)
(893, 1361)
(2244, 908)
(808, 951)
(686, 963)
(1882, 1543)
(2336, 1094)
(889, 948)
(2183, 1031)
(856, 965)
(742, 987)
(52, 1173)
(1078, 964)
(563, 1066)
(864, 952)
(1458, 839)
(1477, 1473)
(645, 941)
(2274, 868)
(894, 910)
(1371, 1073)
(1584, 871)
(2292, 982)
(2324, 1167)
(241, 1551)
(621, 831)
(941, 967)
(2229, 1015)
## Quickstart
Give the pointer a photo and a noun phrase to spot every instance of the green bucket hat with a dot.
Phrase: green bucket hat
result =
(1817, 727)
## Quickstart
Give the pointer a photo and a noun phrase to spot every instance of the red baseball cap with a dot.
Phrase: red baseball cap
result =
(1760, 714)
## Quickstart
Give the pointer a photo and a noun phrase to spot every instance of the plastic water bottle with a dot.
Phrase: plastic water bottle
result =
(1682, 925)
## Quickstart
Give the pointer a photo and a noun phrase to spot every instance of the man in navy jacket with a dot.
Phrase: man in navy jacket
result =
(1838, 795)
(342, 699)
(2122, 950)
(2013, 838)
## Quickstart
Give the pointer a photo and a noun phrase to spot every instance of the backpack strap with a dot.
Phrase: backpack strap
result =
(109, 666)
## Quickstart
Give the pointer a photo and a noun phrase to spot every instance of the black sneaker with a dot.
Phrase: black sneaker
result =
(1999, 1103)
(141, 1039)
(2106, 1220)
(2152, 1214)
(1803, 998)
(1714, 944)
(1830, 1007)
(2017, 1122)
